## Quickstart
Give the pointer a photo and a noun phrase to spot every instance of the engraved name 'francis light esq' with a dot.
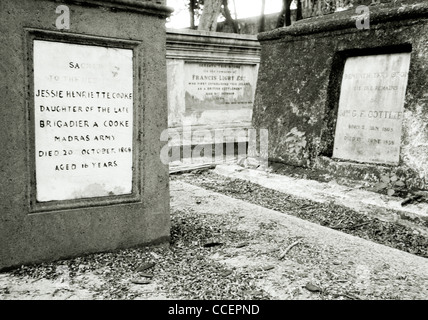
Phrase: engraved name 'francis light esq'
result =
(218, 86)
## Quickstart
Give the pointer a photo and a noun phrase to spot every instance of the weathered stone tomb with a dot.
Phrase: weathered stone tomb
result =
(84, 102)
(349, 100)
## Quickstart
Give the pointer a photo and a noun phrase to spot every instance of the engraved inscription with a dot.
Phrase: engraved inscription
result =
(370, 111)
(210, 86)
(83, 108)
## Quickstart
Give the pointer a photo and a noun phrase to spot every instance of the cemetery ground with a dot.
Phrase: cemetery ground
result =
(235, 239)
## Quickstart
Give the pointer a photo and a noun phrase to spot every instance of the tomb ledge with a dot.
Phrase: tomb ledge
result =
(346, 20)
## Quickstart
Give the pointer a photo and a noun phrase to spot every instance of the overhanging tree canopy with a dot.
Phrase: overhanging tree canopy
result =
(208, 11)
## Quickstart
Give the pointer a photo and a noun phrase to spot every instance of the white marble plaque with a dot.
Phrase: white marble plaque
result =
(83, 107)
(211, 86)
(370, 111)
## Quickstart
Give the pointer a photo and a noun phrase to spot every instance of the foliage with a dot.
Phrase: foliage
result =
(390, 183)
(296, 141)
(197, 7)
(311, 8)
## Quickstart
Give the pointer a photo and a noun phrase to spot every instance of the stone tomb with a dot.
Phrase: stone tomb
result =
(80, 164)
(370, 114)
(354, 100)
(211, 86)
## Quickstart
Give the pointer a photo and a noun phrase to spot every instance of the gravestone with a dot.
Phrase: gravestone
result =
(371, 108)
(83, 120)
(216, 86)
(80, 166)
(211, 86)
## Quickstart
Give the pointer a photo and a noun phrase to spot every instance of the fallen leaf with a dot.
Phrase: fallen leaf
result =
(268, 267)
(140, 281)
(400, 183)
(385, 178)
(242, 244)
(226, 273)
(313, 288)
(212, 244)
(146, 275)
(156, 256)
(146, 266)
(411, 199)
(381, 185)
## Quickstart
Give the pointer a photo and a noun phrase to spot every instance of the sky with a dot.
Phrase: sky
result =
(244, 8)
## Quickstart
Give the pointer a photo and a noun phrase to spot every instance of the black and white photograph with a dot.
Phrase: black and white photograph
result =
(214, 158)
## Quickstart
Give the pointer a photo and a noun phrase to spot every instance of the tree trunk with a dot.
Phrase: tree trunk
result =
(192, 13)
(210, 13)
(262, 17)
(228, 16)
(299, 15)
(285, 14)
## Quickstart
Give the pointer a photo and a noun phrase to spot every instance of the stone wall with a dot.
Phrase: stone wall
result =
(299, 88)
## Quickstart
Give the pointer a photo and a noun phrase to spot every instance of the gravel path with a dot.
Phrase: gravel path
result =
(339, 265)
(225, 248)
(326, 214)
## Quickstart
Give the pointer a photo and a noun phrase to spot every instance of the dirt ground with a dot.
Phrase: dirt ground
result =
(225, 248)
